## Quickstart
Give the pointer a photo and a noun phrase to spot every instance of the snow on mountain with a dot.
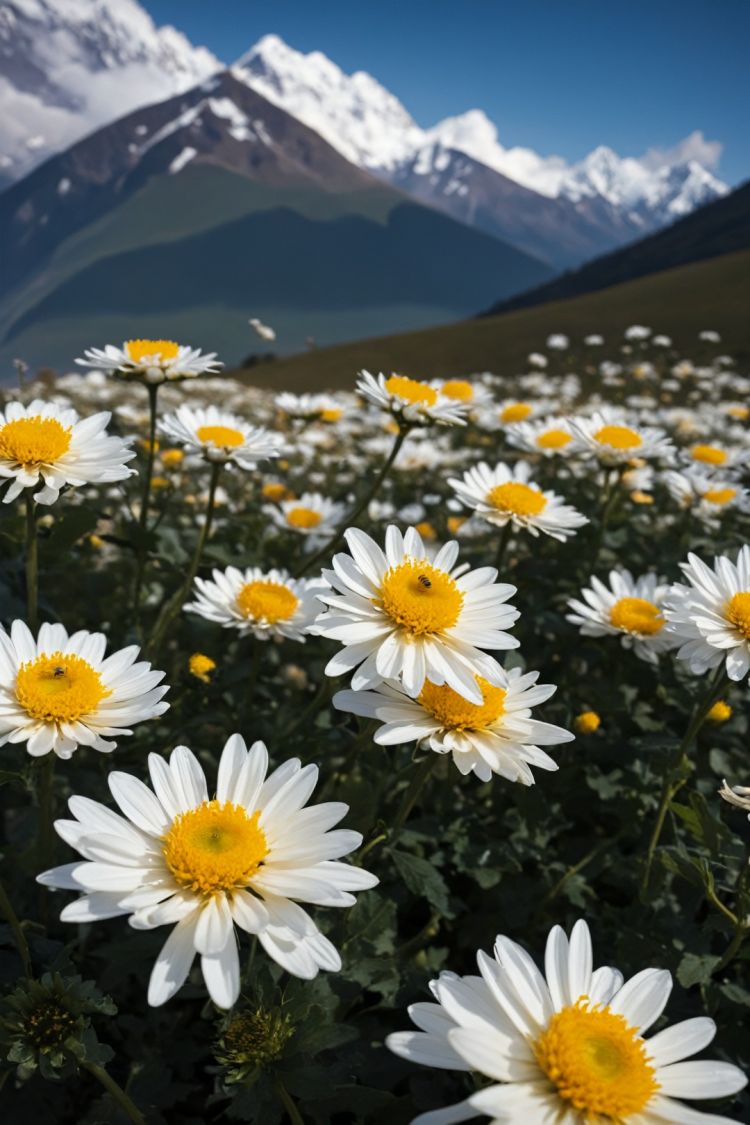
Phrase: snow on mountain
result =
(369, 126)
(68, 66)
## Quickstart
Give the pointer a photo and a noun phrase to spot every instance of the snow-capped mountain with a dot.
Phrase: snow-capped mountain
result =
(68, 66)
(369, 126)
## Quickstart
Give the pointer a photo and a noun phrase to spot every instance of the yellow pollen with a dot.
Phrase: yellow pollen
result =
(420, 598)
(517, 499)
(708, 454)
(459, 389)
(160, 350)
(267, 601)
(720, 495)
(331, 414)
(274, 490)
(597, 1062)
(303, 518)
(223, 437)
(58, 688)
(171, 458)
(214, 848)
(411, 390)
(636, 615)
(453, 712)
(587, 722)
(619, 437)
(516, 412)
(720, 712)
(554, 439)
(33, 441)
(738, 613)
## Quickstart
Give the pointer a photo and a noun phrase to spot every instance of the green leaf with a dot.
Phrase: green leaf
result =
(423, 879)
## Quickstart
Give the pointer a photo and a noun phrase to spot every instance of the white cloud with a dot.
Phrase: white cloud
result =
(693, 147)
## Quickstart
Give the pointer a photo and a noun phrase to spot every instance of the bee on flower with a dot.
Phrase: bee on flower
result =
(59, 691)
(265, 603)
(498, 736)
(567, 1045)
(221, 437)
(411, 401)
(631, 608)
(151, 361)
(506, 495)
(246, 857)
(45, 447)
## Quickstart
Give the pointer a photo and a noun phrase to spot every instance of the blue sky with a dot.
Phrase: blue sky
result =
(559, 76)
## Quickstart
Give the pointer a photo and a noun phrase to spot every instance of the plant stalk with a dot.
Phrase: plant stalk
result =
(32, 564)
(128, 1107)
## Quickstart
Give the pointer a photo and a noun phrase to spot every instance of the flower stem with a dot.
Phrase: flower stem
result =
(6, 909)
(411, 796)
(32, 564)
(153, 390)
(672, 782)
(128, 1107)
(288, 1103)
(502, 545)
(46, 799)
(175, 603)
(350, 517)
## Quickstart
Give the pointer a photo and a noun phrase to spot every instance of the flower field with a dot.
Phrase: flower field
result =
(379, 755)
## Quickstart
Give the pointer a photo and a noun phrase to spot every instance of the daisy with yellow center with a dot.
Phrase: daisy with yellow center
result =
(59, 692)
(614, 441)
(265, 604)
(412, 401)
(403, 615)
(313, 516)
(511, 413)
(709, 496)
(549, 438)
(152, 361)
(567, 1045)
(709, 618)
(243, 858)
(505, 494)
(497, 736)
(632, 608)
(221, 437)
(44, 448)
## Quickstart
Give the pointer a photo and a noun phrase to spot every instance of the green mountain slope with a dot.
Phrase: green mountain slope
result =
(679, 302)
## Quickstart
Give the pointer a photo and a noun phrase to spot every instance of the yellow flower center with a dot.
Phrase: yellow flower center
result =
(331, 414)
(216, 847)
(619, 437)
(738, 613)
(587, 722)
(274, 490)
(304, 518)
(33, 441)
(267, 601)
(160, 350)
(420, 598)
(59, 689)
(720, 712)
(453, 712)
(708, 454)
(222, 436)
(411, 390)
(554, 439)
(742, 413)
(636, 615)
(201, 666)
(459, 389)
(516, 412)
(720, 495)
(597, 1061)
(516, 498)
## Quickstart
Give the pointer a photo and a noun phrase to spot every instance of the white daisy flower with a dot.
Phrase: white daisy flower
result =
(415, 402)
(311, 515)
(265, 603)
(709, 497)
(714, 458)
(47, 445)
(632, 608)
(244, 858)
(511, 412)
(506, 495)
(710, 618)
(300, 406)
(470, 392)
(566, 1046)
(551, 437)
(401, 615)
(497, 736)
(154, 361)
(60, 692)
(221, 436)
(613, 442)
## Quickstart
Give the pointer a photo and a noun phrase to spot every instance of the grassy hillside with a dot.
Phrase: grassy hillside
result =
(679, 302)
